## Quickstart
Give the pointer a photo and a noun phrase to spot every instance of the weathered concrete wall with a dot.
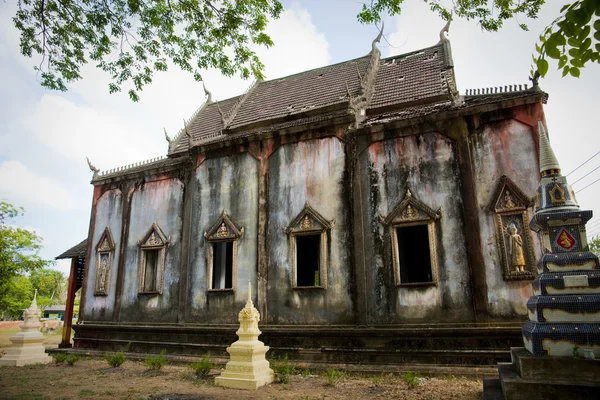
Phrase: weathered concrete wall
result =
(161, 202)
(229, 183)
(427, 165)
(504, 148)
(109, 211)
(309, 172)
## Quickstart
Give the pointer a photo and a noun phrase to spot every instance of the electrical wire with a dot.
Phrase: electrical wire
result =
(582, 164)
(585, 175)
(585, 187)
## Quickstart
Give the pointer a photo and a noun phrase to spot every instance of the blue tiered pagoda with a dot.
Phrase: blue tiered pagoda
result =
(564, 312)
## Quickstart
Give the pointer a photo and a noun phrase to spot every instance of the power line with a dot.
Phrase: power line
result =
(585, 187)
(585, 175)
(582, 164)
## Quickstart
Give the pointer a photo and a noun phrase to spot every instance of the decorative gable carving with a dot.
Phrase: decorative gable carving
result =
(224, 229)
(106, 242)
(411, 210)
(154, 238)
(308, 221)
(508, 197)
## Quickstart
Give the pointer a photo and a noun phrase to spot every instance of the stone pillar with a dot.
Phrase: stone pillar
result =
(27, 345)
(248, 367)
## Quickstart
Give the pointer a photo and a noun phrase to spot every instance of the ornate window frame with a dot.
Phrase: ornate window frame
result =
(155, 239)
(104, 252)
(510, 206)
(412, 212)
(223, 230)
(309, 222)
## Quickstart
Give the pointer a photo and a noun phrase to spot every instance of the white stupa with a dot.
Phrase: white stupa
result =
(248, 368)
(27, 345)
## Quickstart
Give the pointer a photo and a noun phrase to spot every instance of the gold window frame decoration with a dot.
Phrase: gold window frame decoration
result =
(155, 239)
(309, 222)
(510, 207)
(412, 212)
(223, 230)
(104, 252)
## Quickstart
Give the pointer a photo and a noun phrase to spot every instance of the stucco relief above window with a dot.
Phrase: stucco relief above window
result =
(104, 257)
(411, 227)
(509, 205)
(308, 234)
(152, 261)
(221, 253)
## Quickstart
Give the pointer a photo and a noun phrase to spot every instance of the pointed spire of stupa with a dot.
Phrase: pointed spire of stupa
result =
(34, 305)
(548, 161)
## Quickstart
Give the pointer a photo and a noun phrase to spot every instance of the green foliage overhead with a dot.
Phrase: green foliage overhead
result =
(132, 39)
(572, 39)
(594, 244)
(19, 250)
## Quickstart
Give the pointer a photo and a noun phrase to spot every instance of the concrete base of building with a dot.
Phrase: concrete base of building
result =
(541, 377)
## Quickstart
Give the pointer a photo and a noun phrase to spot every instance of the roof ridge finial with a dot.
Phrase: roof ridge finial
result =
(167, 135)
(548, 161)
(446, 28)
(378, 38)
(208, 93)
(92, 167)
(187, 133)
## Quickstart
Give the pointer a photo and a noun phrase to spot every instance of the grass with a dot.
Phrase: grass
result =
(115, 359)
(411, 379)
(202, 367)
(333, 376)
(157, 362)
(282, 369)
(86, 393)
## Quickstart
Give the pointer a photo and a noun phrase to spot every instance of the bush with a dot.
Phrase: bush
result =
(203, 367)
(411, 379)
(115, 359)
(157, 362)
(71, 359)
(59, 357)
(282, 369)
(333, 376)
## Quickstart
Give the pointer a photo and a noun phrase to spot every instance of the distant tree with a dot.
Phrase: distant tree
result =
(19, 250)
(569, 39)
(50, 285)
(132, 39)
(595, 245)
(19, 293)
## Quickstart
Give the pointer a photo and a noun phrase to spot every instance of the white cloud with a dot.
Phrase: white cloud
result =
(21, 186)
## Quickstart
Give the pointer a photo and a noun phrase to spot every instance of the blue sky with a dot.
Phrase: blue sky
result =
(45, 136)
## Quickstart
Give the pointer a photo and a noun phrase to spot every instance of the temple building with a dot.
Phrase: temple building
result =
(373, 208)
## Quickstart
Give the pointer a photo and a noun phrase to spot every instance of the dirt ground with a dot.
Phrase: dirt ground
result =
(94, 379)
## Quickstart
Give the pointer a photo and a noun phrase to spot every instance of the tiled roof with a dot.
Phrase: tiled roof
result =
(410, 77)
(399, 81)
(77, 251)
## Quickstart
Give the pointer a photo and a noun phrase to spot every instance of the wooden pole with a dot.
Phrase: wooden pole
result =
(66, 332)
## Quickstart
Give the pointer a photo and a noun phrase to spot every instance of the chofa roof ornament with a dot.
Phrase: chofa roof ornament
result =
(377, 39)
(445, 29)
(92, 167)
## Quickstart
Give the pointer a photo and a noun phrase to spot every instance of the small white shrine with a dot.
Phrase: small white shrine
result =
(248, 368)
(27, 345)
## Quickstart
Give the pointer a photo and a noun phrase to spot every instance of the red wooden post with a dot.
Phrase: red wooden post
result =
(66, 332)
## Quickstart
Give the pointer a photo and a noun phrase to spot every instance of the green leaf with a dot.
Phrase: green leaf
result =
(542, 66)
(574, 53)
(553, 52)
(574, 71)
(565, 71)
(562, 62)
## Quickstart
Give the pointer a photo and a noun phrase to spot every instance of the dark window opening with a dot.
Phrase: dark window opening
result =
(308, 260)
(222, 265)
(151, 271)
(414, 254)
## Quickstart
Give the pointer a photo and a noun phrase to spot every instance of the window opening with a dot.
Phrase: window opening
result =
(222, 265)
(414, 254)
(308, 260)
(151, 269)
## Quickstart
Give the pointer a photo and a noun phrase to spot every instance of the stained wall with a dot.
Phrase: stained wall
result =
(508, 148)
(109, 209)
(226, 183)
(309, 172)
(161, 202)
(427, 164)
